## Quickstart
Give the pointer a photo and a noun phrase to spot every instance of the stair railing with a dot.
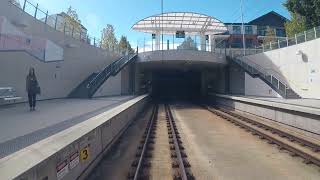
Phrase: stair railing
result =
(263, 72)
(107, 71)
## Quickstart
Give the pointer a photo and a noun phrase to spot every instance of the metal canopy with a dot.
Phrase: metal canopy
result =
(170, 23)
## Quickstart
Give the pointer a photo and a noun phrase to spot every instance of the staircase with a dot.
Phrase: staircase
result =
(92, 83)
(256, 71)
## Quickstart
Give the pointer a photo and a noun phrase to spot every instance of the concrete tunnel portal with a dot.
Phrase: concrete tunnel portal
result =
(181, 80)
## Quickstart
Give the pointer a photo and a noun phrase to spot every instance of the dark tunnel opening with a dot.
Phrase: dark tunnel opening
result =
(176, 85)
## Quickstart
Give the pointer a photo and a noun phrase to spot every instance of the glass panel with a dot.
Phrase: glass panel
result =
(51, 21)
(267, 47)
(280, 32)
(291, 41)
(262, 30)
(301, 38)
(310, 35)
(275, 45)
(275, 82)
(236, 29)
(248, 30)
(283, 43)
(30, 8)
(282, 87)
(41, 15)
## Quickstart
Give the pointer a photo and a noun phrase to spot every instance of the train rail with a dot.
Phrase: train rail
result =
(181, 168)
(296, 145)
(178, 155)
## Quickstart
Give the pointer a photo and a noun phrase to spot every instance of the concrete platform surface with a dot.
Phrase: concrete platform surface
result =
(20, 127)
(311, 106)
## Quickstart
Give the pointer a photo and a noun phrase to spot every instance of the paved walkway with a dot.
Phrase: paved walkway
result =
(20, 127)
(304, 103)
(314, 103)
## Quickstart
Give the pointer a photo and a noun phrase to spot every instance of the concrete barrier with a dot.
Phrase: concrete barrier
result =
(72, 153)
(305, 118)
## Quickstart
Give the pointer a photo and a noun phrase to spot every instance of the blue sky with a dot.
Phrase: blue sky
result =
(95, 14)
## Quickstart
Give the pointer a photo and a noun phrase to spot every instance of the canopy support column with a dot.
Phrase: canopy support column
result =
(203, 41)
(157, 45)
(212, 43)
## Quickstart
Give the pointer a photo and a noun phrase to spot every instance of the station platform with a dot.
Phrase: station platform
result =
(20, 127)
(311, 106)
(303, 114)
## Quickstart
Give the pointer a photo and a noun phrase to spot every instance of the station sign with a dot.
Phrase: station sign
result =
(180, 34)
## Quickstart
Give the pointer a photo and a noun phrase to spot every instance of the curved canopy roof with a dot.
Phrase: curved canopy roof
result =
(190, 23)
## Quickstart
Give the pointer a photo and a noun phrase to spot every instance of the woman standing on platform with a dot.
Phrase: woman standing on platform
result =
(33, 88)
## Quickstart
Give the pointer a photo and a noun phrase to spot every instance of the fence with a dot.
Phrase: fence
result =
(58, 24)
(297, 39)
(147, 47)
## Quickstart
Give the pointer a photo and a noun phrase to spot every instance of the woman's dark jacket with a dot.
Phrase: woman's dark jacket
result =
(31, 84)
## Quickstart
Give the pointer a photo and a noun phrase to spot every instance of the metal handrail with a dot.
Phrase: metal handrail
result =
(266, 74)
(108, 69)
(296, 39)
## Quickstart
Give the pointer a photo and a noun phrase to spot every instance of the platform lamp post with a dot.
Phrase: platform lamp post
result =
(162, 30)
(243, 29)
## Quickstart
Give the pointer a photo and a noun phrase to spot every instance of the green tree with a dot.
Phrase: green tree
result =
(124, 45)
(270, 36)
(72, 19)
(309, 9)
(108, 38)
(296, 25)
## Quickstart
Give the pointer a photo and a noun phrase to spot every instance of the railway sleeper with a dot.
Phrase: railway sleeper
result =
(314, 147)
(175, 163)
(272, 140)
(186, 163)
(173, 154)
(183, 154)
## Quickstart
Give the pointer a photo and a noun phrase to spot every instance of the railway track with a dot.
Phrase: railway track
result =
(140, 167)
(296, 145)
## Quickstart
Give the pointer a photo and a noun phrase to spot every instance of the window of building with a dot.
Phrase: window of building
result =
(249, 43)
(236, 29)
(262, 30)
(248, 29)
(236, 43)
(280, 32)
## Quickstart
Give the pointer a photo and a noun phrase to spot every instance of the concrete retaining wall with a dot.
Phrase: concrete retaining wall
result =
(300, 117)
(57, 79)
(72, 153)
(297, 65)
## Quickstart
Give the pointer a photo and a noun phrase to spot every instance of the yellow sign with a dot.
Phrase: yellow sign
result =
(84, 154)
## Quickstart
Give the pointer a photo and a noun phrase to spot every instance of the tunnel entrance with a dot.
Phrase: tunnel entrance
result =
(175, 84)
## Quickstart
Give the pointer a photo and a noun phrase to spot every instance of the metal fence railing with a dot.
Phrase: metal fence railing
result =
(297, 39)
(178, 46)
(271, 77)
(59, 24)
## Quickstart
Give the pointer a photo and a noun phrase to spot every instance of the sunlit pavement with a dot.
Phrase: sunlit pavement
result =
(20, 127)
